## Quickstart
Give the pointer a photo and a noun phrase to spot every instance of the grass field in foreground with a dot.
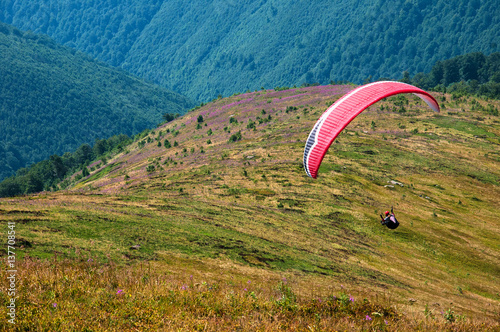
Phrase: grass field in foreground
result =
(228, 202)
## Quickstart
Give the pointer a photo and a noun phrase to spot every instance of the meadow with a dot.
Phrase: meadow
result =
(209, 222)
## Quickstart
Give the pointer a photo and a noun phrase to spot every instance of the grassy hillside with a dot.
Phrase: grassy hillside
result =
(210, 223)
(53, 99)
(204, 49)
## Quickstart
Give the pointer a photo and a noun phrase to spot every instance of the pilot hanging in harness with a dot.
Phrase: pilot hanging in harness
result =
(390, 219)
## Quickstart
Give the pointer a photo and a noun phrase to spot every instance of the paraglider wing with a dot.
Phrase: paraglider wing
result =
(344, 110)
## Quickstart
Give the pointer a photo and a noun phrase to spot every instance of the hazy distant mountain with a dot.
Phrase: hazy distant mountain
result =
(53, 99)
(205, 48)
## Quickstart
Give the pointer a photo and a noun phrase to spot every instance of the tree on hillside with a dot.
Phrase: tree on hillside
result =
(170, 116)
(451, 71)
(10, 187)
(436, 75)
(32, 184)
(100, 147)
(83, 153)
(58, 166)
(85, 171)
(470, 66)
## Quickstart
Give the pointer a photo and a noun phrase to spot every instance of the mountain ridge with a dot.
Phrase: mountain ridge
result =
(266, 43)
(55, 98)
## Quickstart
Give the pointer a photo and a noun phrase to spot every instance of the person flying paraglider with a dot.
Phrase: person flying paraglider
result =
(390, 219)
(342, 112)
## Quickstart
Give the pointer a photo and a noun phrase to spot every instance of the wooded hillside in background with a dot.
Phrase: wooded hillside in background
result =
(472, 73)
(204, 49)
(53, 99)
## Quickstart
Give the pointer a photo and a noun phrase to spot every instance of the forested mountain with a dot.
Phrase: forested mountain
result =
(53, 99)
(203, 49)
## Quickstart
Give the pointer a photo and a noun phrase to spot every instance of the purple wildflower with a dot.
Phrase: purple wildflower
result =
(351, 299)
(54, 305)
(119, 291)
(368, 317)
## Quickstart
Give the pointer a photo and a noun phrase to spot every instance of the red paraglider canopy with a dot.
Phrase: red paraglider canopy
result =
(344, 110)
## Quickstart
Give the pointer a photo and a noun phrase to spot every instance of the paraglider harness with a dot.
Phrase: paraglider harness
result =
(390, 220)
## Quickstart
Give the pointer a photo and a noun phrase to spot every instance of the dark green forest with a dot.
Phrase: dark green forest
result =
(53, 99)
(56, 172)
(202, 49)
(472, 73)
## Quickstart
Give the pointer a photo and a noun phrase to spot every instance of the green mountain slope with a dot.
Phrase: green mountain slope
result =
(204, 49)
(53, 99)
(221, 193)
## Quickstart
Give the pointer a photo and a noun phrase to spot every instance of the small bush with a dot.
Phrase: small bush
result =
(235, 137)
